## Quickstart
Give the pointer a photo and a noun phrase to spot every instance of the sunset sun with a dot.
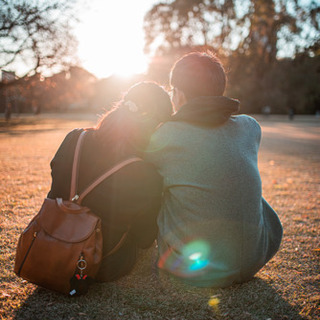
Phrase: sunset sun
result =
(111, 38)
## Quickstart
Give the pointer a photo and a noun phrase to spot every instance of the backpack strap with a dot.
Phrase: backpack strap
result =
(118, 245)
(106, 175)
(75, 167)
(75, 170)
(74, 182)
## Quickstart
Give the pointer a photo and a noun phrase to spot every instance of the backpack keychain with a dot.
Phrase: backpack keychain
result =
(79, 283)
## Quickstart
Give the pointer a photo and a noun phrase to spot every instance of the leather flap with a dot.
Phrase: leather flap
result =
(67, 221)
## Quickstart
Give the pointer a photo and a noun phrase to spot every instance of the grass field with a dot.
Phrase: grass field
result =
(288, 287)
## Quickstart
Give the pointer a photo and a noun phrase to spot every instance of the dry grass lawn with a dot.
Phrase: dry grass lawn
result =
(287, 288)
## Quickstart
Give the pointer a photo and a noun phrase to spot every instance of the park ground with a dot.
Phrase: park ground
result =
(288, 287)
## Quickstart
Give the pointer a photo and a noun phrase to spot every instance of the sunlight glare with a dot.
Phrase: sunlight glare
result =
(111, 38)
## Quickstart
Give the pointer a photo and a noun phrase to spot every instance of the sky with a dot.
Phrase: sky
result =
(111, 37)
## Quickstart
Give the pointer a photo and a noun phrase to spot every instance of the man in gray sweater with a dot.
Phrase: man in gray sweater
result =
(215, 228)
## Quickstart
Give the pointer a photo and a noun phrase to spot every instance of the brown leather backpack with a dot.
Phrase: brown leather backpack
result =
(64, 239)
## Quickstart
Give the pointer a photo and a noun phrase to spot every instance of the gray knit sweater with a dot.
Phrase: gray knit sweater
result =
(215, 228)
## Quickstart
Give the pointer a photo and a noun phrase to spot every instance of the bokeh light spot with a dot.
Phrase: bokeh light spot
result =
(195, 256)
(188, 261)
(214, 303)
(198, 265)
(196, 250)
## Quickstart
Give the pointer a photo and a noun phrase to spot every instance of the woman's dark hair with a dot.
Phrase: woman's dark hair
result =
(132, 121)
(199, 74)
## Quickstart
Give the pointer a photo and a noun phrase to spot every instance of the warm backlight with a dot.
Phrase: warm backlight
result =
(111, 37)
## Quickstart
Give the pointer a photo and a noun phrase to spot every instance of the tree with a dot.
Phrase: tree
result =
(35, 35)
(252, 38)
(185, 23)
(253, 27)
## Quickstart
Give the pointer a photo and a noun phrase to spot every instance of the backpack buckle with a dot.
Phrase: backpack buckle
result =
(75, 198)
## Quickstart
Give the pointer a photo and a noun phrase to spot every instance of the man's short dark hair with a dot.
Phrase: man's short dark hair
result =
(199, 74)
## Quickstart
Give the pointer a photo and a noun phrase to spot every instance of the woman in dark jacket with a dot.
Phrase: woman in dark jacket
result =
(129, 200)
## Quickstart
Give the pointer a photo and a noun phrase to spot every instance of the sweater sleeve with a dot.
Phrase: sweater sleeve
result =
(155, 151)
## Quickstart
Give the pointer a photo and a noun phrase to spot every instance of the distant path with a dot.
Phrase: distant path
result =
(300, 137)
(296, 138)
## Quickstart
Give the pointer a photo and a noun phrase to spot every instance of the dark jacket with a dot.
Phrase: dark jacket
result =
(129, 199)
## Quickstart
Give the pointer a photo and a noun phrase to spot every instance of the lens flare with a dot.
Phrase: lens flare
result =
(189, 261)
(197, 249)
(198, 265)
(195, 256)
(197, 253)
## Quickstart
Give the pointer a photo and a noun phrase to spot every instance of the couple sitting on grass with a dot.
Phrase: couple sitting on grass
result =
(197, 190)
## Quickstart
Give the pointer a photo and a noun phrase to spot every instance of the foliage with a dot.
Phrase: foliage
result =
(67, 90)
(254, 27)
(36, 34)
(74, 90)
(251, 38)
(184, 23)
(287, 83)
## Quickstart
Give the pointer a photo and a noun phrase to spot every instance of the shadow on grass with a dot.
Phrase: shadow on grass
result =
(160, 298)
